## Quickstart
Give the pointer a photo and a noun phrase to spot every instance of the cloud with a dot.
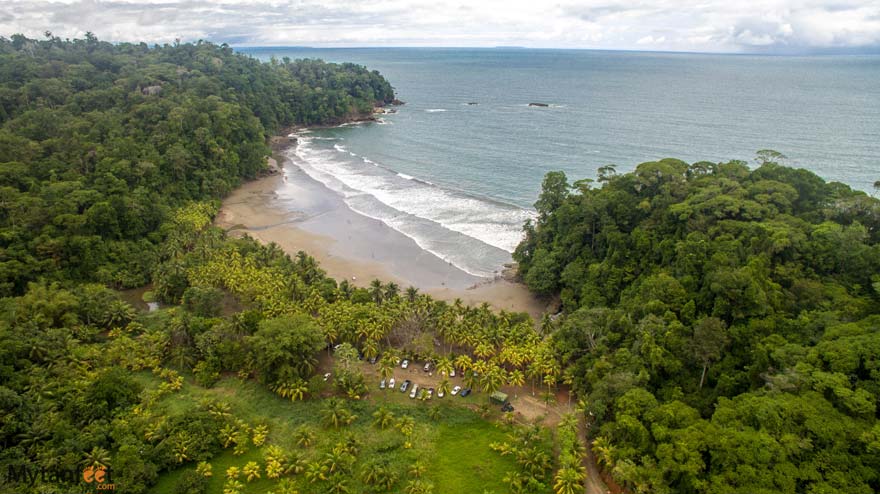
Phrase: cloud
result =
(705, 25)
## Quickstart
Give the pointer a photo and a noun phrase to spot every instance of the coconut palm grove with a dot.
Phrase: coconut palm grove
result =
(711, 327)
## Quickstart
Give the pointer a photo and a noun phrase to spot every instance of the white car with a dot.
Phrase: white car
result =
(440, 393)
(405, 364)
(391, 383)
(452, 374)
(382, 384)
(327, 376)
(455, 390)
(414, 392)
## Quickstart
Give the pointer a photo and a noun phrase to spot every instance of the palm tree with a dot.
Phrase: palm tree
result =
(550, 381)
(515, 481)
(376, 291)
(370, 348)
(516, 378)
(383, 418)
(444, 387)
(98, 457)
(298, 390)
(463, 363)
(335, 414)
(118, 314)
(337, 460)
(569, 480)
(492, 380)
(417, 469)
(413, 292)
(386, 365)
(345, 289)
(304, 436)
(370, 473)
(392, 289)
(251, 470)
(316, 471)
(484, 350)
(296, 464)
(287, 486)
(406, 425)
(434, 413)
(471, 379)
(568, 380)
(379, 474)
(419, 486)
(444, 366)
(604, 451)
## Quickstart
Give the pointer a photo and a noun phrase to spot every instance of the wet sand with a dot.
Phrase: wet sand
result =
(298, 213)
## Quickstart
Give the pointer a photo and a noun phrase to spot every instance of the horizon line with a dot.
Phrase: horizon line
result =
(874, 51)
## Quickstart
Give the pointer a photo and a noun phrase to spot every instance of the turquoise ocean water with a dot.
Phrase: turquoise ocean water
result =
(460, 179)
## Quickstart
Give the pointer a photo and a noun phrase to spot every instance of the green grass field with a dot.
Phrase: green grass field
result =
(455, 447)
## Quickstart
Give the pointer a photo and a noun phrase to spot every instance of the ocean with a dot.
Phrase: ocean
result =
(458, 167)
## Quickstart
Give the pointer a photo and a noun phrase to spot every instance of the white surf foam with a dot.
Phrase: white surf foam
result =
(456, 227)
(435, 110)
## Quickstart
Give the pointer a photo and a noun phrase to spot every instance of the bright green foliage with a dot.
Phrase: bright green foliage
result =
(720, 323)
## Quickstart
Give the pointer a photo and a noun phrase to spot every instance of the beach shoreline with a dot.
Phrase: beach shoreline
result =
(312, 218)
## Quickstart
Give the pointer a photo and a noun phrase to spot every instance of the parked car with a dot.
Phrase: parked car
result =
(455, 390)
(427, 367)
(391, 383)
(405, 364)
(415, 390)
(327, 376)
(382, 384)
(507, 407)
(405, 385)
(430, 393)
(465, 392)
(440, 393)
(373, 360)
(452, 374)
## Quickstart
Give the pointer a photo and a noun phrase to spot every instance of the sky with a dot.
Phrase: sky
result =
(769, 26)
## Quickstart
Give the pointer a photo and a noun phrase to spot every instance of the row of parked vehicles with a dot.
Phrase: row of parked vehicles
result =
(404, 364)
(414, 389)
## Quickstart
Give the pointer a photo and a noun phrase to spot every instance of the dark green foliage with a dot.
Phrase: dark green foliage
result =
(98, 142)
(191, 482)
(720, 323)
(285, 348)
(202, 301)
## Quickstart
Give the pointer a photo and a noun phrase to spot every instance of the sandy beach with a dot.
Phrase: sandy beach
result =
(298, 213)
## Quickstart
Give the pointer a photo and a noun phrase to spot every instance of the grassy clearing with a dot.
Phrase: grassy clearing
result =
(454, 447)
